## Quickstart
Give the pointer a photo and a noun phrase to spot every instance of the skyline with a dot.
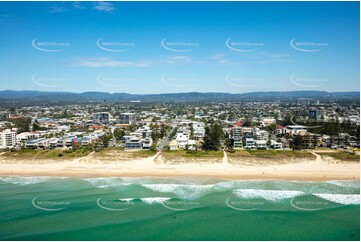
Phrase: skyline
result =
(173, 47)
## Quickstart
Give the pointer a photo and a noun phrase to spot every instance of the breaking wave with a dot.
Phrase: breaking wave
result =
(18, 180)
(345, 199)
(270, 195)
(184, 191)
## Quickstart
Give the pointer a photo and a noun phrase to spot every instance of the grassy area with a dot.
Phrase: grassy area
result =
(111, 153)
(193, 153)
(37, 154)
(239, 153)
(117, 153)
(343, 156)
(182, 156)
(269, 154)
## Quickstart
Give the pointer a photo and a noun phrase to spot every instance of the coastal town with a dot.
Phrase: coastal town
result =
(192, 127)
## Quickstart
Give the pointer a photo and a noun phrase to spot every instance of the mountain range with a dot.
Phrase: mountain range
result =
(44, 96)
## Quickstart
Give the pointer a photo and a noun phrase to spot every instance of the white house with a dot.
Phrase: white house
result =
(261, 144)
(266, 121)
(182, 139)
(295, 129)
(173, 145)
(248, 143)
(276, 145)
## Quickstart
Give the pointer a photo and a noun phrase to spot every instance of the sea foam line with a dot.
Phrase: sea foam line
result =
(26, 180)
(104, 182)
(345, 199)
(153, 200)
(270, 195)
(184, 191)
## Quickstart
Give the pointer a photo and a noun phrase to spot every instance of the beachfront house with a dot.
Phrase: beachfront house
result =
(133, 144)
(173, 145)
(261, 144)
(249, 143)
(276, 145)
(237, 143)
(147, 143)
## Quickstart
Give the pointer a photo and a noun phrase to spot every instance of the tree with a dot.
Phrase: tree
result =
(297, 142)
(287, 120)
(105, 140)
(247, 122)
(36, 126)
(163, 131)
(213, 136)
(22, 124)
(191, 136)
(155, 135)
(132, 128)
(270, 128)
(153, 147)
(119, 133)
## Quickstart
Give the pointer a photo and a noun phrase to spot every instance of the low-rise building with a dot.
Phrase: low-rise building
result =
(237, 143)
(248, 143)
(295, 129)
(266, 121)
(173, 145)
(280, 130)
(134, 143)
(147, 143)
(276, 145)
(261, 144)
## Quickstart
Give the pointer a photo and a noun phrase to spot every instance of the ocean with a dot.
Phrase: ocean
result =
(180, 208)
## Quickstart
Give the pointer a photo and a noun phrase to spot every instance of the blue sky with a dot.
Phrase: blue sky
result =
(166, 47)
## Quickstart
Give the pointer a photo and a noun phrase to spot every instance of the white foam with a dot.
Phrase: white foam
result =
(126, 199)
(270, 195)
(347, 184)
(104, 182)
(153, 200)
(18, 180)
(345, 199)
(184, 191)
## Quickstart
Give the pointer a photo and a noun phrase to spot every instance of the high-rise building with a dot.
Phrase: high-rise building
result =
(127, 118)
(316, 114)
(7, 139)
(101, 118)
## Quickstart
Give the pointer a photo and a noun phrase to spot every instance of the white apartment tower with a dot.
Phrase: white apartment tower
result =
(7, 139)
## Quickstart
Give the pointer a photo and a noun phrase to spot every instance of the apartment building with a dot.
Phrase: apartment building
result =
(127, 118)
(7, 139)
(101, 118)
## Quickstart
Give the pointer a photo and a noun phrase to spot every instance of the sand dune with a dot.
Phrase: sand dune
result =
(89, 166)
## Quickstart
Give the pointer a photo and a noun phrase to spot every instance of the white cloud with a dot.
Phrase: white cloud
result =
(104, 7)
(221, 59)
(267, 57)
(57, 9)
(178, 59)
(78, 5)
(106, 62)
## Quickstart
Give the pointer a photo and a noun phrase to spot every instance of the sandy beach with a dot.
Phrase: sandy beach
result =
(310, 170)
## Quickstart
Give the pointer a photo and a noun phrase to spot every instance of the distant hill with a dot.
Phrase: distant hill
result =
(42, 96)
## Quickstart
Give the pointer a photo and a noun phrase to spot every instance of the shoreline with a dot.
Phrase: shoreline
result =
(223, 177)
(303, 170)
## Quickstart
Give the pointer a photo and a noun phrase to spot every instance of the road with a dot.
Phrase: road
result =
(166, 139)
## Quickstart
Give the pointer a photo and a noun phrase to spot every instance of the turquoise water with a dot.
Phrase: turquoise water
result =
(44, 208)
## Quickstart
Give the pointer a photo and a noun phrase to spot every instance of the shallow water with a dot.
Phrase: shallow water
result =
(44, 208)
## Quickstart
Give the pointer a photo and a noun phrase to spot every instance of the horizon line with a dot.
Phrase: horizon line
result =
(73, 92)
